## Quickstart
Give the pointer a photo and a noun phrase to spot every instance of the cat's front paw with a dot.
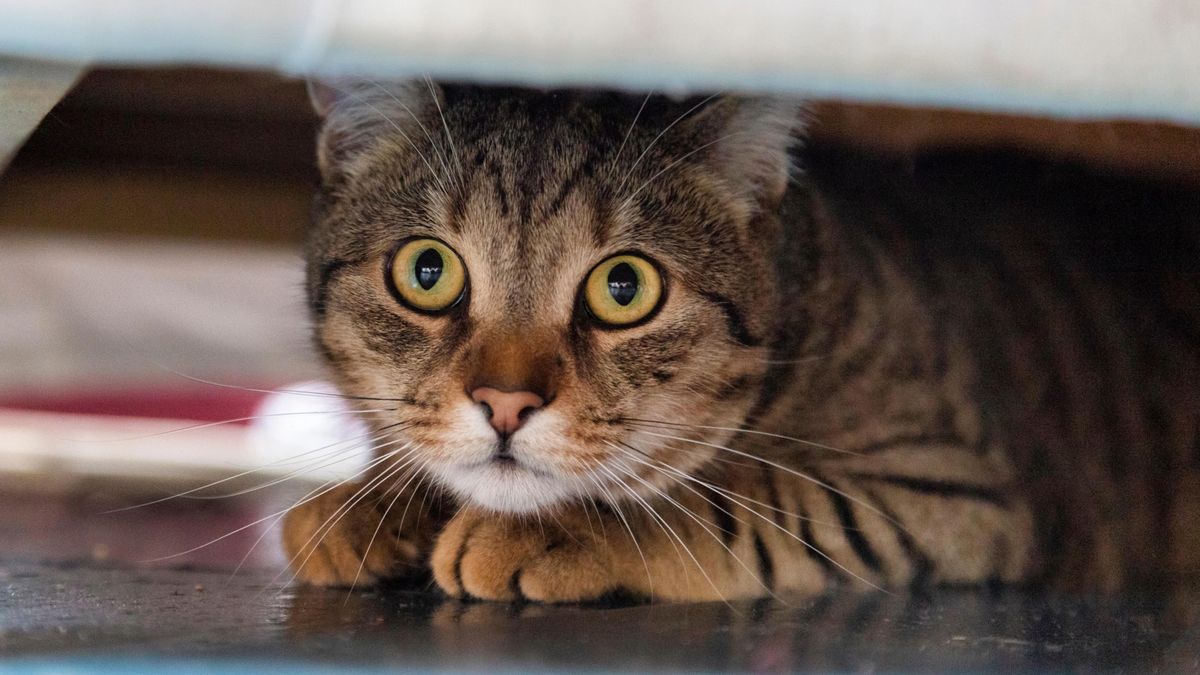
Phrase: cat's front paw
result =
(344, 539)
(496, 557)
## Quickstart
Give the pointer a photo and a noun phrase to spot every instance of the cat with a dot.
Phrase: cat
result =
(625, 348)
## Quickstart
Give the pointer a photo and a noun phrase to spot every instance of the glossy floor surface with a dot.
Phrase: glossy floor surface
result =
(74, 597)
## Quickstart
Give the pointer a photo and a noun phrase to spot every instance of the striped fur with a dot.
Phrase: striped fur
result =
(825, 396)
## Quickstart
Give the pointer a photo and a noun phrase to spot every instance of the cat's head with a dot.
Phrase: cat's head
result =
(543, 285)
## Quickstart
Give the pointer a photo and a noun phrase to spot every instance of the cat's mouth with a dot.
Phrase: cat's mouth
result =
(503, 459)
(506, 481)
(521, 471)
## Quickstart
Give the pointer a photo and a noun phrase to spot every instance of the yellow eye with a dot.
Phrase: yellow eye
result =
(427, 275)
(623, 290)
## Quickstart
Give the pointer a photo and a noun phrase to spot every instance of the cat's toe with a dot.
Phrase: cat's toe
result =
(475, 557)
(334, 565)
(491, 557)
(479, 558)
(566, 573)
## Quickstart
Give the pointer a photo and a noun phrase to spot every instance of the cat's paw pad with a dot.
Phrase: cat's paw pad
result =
(328, 544)
(493, 557)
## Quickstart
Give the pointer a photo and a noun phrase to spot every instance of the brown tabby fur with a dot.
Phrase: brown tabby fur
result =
(818, 399)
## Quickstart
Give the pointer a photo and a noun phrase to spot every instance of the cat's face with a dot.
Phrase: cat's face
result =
(522, 279)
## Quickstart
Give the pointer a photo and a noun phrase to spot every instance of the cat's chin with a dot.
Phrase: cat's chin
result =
(506, 487)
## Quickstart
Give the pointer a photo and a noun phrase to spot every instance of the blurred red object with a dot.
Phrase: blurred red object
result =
(201, 403)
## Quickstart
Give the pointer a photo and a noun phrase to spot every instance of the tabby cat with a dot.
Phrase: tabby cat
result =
(615, 344)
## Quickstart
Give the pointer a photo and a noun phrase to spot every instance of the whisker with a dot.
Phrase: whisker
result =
(551, 515)
(628, 200)
(382, 519)
(263, 519)
(629, 131)
(737, 499)
(662, 133)
(740, 430)
(663, 468)
(432, 493)
(432, 144)
(341, 512)
(729, 493)
(696, 451)
(742, 351)
(667, 529)
(383, 433)
(337, 458)
(653, 517)
(584, 500)
(234, 420)
(421, 471)
(267, 530)
(704, 524)
(794, 362)
(395, 126)
(225, 385)
(616, 507)
(445, 125)
(798, 474)
(541, 528)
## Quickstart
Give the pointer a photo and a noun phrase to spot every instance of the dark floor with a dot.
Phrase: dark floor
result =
(72, 599)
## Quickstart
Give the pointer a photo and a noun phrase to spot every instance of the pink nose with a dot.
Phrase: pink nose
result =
(507, 410)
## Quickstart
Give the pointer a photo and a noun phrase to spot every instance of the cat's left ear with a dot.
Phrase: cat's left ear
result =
(751, 140)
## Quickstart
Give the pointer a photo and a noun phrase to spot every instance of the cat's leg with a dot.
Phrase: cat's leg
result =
(916, 516)
(685, 545)
(572, 556)
(354, 536)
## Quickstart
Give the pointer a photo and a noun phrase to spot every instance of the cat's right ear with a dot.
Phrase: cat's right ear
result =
(750, 138)
(358, 114)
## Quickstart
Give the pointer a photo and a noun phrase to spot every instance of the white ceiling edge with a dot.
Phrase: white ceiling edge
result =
(1099, 59)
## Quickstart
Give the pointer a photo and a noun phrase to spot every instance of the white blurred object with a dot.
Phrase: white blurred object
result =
(307, 428)
(1107, 58)
(52, 452)
(295, 439)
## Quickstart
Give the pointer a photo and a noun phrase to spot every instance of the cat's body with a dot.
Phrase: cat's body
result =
(822, 392)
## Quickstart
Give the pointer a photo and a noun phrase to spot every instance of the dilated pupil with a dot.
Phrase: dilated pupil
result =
(623, 283)
(429, 268)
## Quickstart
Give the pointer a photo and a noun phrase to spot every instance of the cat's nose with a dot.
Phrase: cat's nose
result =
(507, 410)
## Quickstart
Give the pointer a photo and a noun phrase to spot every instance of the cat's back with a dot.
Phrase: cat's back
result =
(1078, 295)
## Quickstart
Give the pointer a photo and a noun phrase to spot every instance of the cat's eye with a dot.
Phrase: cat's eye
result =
(623, 290)
(427, 275)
